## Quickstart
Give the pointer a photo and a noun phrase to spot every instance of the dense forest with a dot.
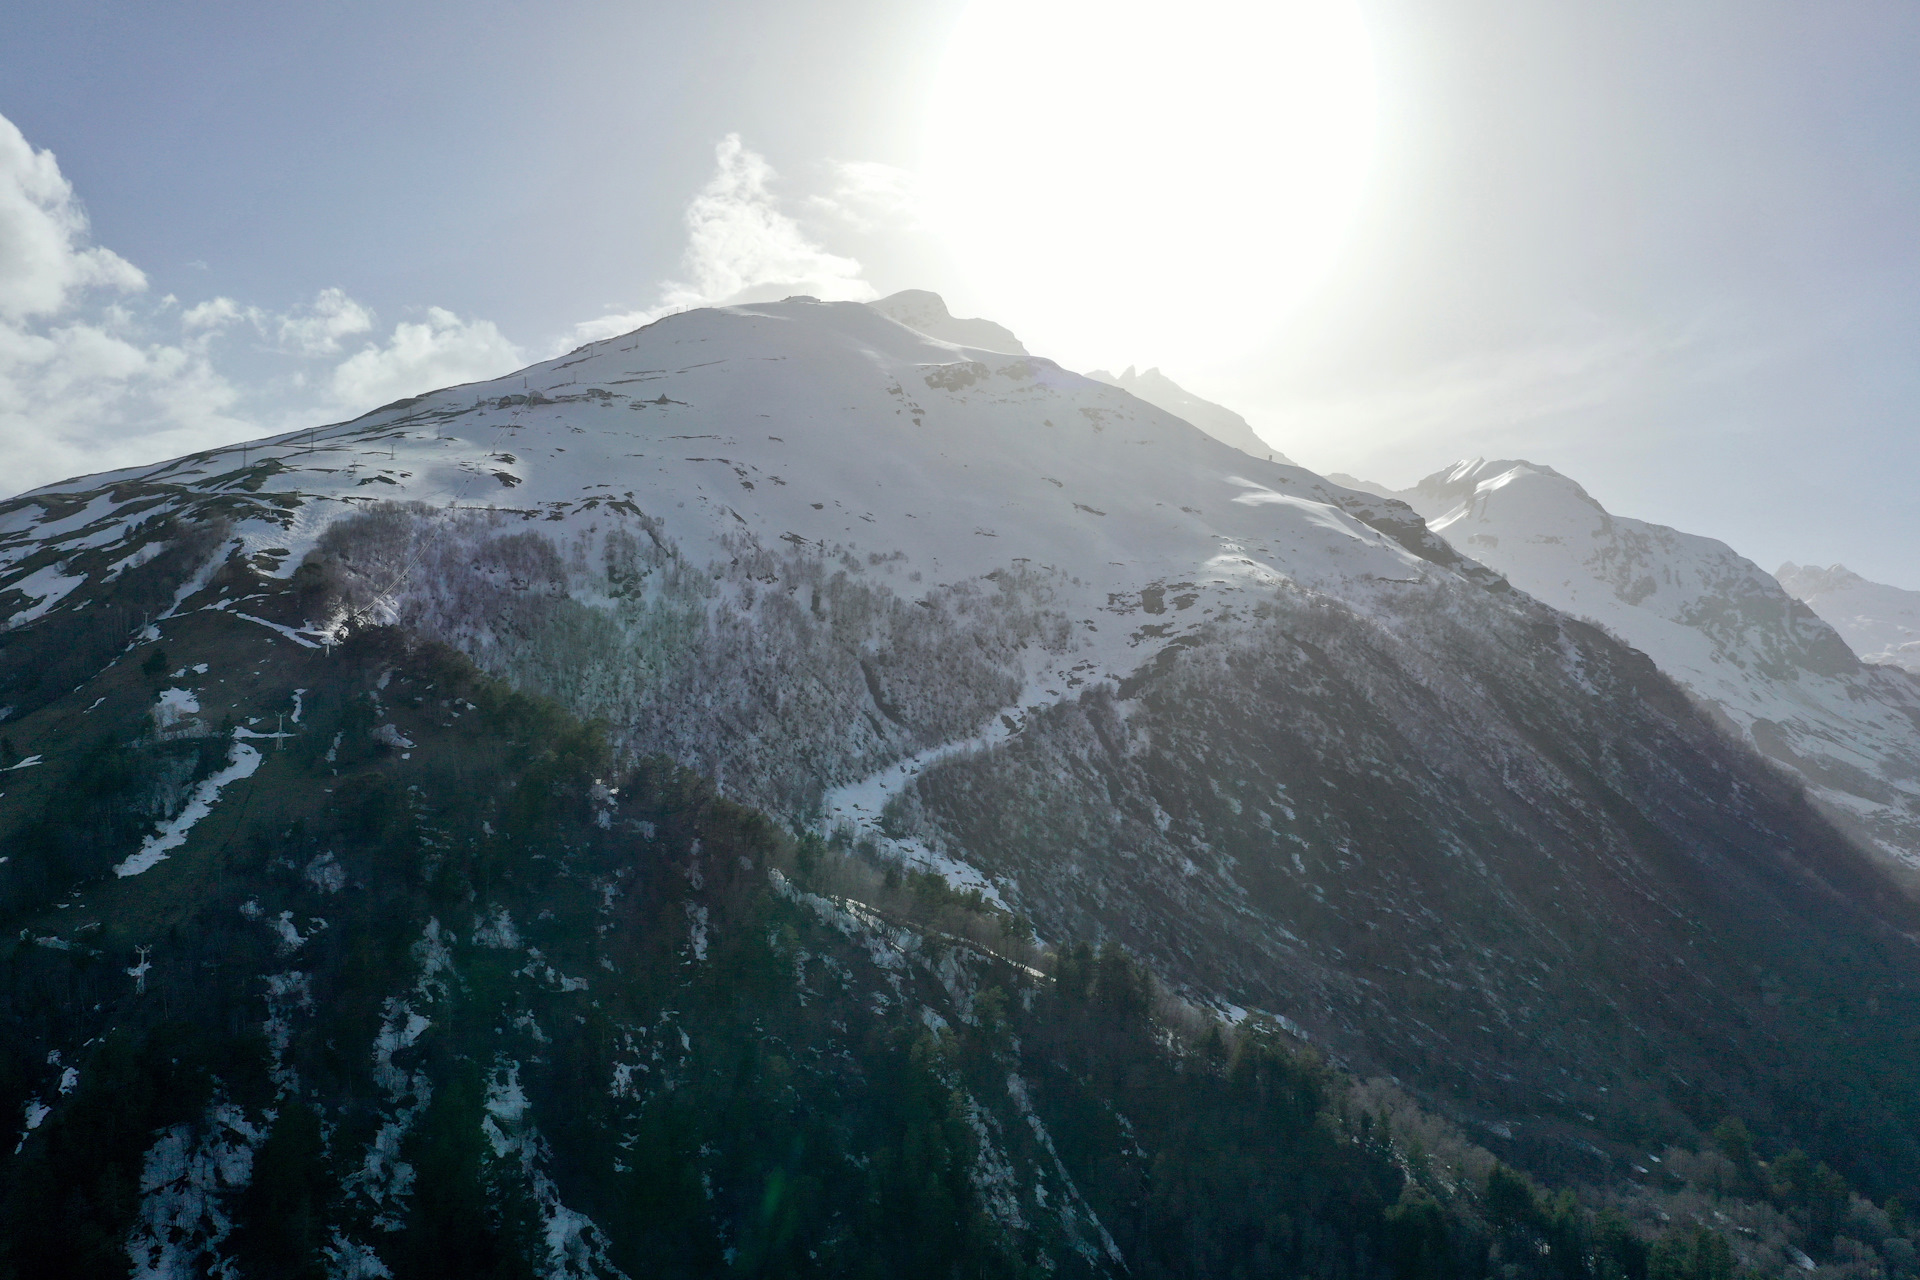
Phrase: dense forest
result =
(456, 993)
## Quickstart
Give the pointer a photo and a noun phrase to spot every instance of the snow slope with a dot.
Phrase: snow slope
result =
(743, 445)
(818, 425)
(927, 311)
(1218, 421)
(1882, 623)
(1715, 622)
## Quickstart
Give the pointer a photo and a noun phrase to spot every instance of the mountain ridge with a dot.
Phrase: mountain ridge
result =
(1777, 675)
(1881, 622)
(1218, 421)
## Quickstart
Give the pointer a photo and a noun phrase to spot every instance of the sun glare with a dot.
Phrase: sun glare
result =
(1158, 182)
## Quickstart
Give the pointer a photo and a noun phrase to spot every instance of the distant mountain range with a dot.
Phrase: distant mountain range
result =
(812, 788)
(1774, 673)
(1223, 424)
(1882, 623)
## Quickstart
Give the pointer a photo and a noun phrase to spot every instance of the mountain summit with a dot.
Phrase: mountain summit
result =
(1771, 670)
(1218, 421)
(927, 311)
(1881, 622)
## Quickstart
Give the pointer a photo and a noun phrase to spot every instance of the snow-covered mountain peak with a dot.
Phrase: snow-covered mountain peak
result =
(1218, 421)
(826, 427)
(1446, 494)
(926, 311)
(1881, 622)
(1804, 580)
(1717, 623)
(1535, 524)
(941, 605)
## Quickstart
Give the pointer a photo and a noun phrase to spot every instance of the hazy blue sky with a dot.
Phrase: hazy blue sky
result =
(1670, 249)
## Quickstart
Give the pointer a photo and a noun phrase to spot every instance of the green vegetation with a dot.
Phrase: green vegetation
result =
(533, 979)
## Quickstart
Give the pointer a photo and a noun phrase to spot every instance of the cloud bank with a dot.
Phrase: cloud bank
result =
(441, 351)
(45, 259)
(94, 374)
(85, 383)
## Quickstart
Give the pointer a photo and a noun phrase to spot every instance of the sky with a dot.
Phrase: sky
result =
(1671, 250)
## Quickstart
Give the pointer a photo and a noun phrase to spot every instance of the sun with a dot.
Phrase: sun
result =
(1122, 180)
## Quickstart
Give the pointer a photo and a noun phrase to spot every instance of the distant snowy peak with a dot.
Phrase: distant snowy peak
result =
(926, 312)
(1680, 597)
(1766, 666)
(1444, 492)
(1218, 421)
(1378, 490)
(1881, 622)
(1806, 581)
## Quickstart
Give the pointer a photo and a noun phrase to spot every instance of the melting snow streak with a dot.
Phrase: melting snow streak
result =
(242, 760)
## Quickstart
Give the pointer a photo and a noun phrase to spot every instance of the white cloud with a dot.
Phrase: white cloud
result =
(214, 313)
(738, 240)
(441, 351)
(88, 384)
(870, 196)
(44, 256)
(93, 394)
(1492, 387)
(742, 248)
(85, 385)
(610, 325)
(1495, 402)
(317, 331)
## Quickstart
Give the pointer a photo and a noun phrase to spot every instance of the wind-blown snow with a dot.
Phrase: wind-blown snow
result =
(927, 312)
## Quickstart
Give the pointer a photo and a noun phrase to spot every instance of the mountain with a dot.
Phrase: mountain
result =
(1770, 671)
(1363, 486)
(780, 792)
(927, 312)
(1223, 424)
(1880, 622)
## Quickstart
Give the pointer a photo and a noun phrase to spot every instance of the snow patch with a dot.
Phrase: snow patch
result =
(325, 873)
(184, 1180)
(390, 736)
(36, 1114)
(45, 587)
(496, 931)
(351, 1260)
(242, 760)
(173, 706)
(576, 1248)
